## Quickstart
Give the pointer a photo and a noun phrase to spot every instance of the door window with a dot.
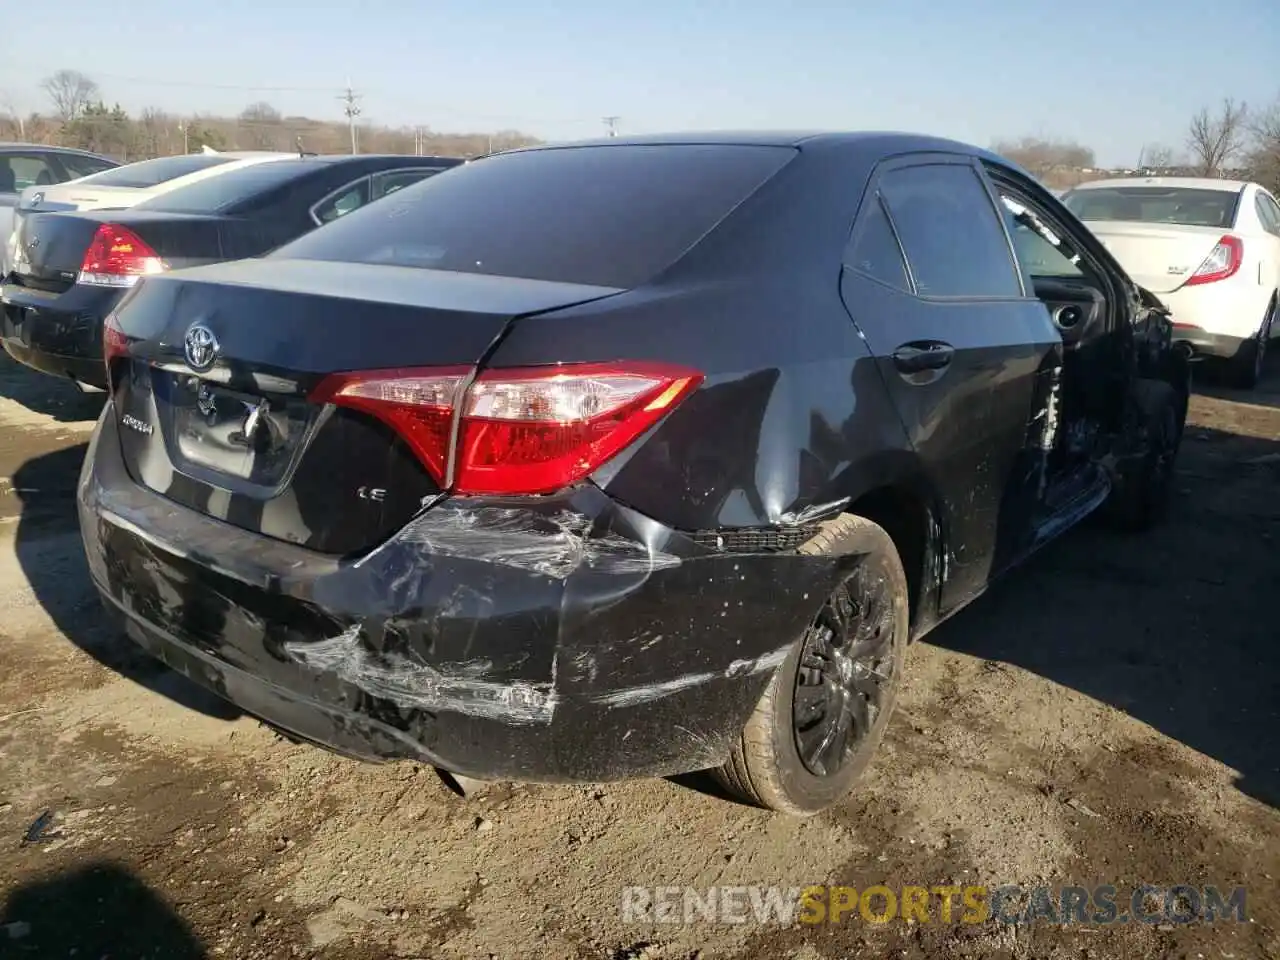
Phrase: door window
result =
(345, 200)
(950, 232)
(1268, 213)
(393, 180)
(1040, 251)
(21, 170)
(875, 251)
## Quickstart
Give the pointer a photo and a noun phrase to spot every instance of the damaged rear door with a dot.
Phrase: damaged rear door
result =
(961, 346)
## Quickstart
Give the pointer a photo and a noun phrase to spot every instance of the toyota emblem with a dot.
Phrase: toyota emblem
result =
(201, 347)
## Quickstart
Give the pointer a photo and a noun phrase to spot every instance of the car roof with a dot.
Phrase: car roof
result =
(345, 157)
(14, 147)
(1187, 183)
(892, 141)
(856, 146)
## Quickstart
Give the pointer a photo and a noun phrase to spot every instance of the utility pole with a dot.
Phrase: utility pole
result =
(611, 124)
(351, 107)
(186, 143)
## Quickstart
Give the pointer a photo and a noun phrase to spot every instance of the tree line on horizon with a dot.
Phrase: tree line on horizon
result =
(79, 116)
(1230, 140)
(1227, 140)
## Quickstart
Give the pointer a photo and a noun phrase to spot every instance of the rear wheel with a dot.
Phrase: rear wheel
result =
(1247, 365)
(825, 710)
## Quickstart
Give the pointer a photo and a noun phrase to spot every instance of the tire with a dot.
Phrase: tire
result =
(766, 766)
(1140, 499)
(1247, 365)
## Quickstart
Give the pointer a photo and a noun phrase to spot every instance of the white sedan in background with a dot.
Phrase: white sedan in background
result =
(1209, 249)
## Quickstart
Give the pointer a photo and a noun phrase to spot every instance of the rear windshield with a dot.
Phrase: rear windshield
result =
(232, 189)
(150, 173)
(1185, 206)
(606, 215)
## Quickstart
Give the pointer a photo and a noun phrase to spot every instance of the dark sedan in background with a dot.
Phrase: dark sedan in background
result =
(71, 268)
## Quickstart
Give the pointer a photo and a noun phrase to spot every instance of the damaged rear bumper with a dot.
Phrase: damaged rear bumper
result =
(562, 639)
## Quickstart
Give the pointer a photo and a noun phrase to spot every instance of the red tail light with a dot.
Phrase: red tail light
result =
(115, 344)
(117, 257)
(416, 404)
(520, 431)
(1223, 261)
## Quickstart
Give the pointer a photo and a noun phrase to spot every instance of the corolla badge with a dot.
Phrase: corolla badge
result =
(201, 347)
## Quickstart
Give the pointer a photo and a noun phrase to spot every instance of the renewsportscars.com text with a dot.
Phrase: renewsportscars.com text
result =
(1104, 904)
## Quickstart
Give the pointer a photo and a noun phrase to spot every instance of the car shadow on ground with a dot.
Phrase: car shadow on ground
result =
(50, 552)
(1176, 627)
(98, 910)
(1212, 380)
(60, 399)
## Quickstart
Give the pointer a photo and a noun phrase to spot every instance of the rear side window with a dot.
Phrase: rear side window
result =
(343, 201)
(605, 215)
(393, 180)
(875, 250)
(1268, 213)
(952, 236)
(151, 173)
(232, 189)
(81, 166)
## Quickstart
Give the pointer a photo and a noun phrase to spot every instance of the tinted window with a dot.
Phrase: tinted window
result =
(950, 231)
(875, 249)
(79, 166)
(1179, 205)
(26, 170)
(393, 180)
(234, 188)
(607, 215)
(150, 173)
(347, 200)
(1268, 213)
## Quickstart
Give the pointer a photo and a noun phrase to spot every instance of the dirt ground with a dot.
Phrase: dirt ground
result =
(1110, 714)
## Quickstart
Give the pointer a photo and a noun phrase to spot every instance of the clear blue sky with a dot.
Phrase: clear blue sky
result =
(1113, 75)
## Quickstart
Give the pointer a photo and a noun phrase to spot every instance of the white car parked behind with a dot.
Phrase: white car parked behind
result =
(1209, 249)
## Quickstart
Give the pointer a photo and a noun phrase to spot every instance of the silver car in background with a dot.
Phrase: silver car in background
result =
(24, 165)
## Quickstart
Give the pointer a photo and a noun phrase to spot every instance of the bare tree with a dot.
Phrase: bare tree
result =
(1263, 158)
(260, 127)
(1217, 138)
(1157, 156)
(1056, 162)
(70, 91)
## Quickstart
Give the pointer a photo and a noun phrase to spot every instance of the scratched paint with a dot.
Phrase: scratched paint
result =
(412, 683)
(555, 544)
(629, 696)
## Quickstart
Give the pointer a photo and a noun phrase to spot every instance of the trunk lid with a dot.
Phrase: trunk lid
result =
(242, 442)
(1159, 257)
(75, 196)
(50, 247)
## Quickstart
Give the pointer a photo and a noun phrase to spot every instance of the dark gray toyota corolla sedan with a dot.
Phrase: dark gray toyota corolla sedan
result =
(622, 458)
